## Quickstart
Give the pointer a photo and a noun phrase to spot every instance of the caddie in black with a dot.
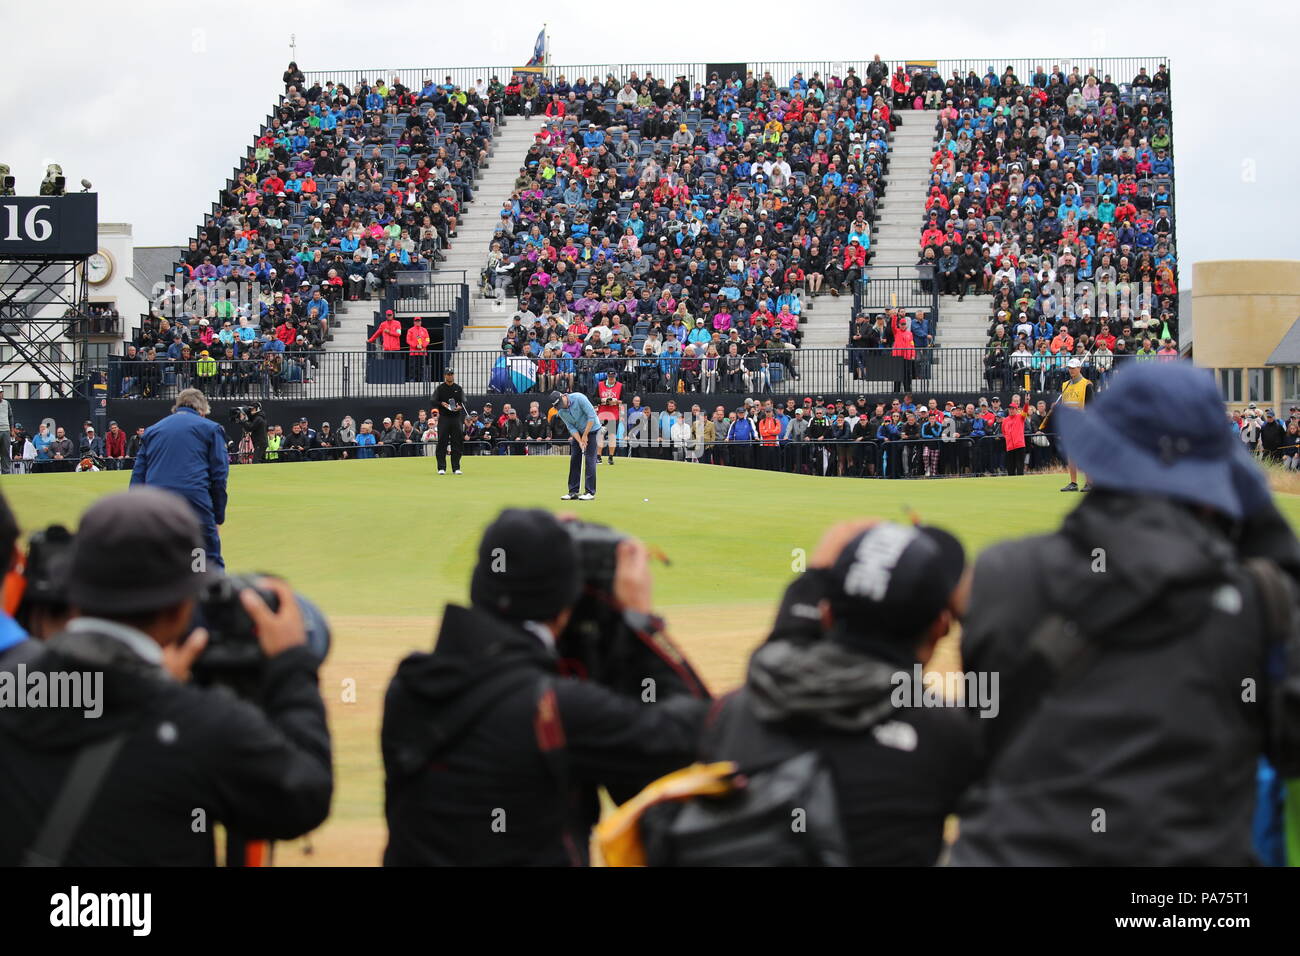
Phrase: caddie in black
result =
(492, 757)
(833, 695)
(1149, 655)
(450, 399)
(139, 767)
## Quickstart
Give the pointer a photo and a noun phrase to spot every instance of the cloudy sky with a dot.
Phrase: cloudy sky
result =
(156, 105)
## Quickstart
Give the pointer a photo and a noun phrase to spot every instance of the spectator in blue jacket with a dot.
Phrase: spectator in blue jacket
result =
(186, 453)
(743, 430)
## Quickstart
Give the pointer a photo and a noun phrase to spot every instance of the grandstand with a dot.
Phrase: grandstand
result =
(776, 204)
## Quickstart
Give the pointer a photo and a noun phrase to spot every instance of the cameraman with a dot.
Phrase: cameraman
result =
(163, 755)
(253, 422)
(492, 757)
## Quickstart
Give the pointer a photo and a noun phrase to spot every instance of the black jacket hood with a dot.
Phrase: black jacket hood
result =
(434, 697)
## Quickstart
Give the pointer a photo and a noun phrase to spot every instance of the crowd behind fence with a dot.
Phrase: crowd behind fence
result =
(785, 372)
(1122, 69)
(939, 458)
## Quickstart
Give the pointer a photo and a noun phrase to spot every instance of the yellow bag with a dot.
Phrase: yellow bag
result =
(619, 835)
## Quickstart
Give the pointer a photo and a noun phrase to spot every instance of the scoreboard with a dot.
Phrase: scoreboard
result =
(50, 227)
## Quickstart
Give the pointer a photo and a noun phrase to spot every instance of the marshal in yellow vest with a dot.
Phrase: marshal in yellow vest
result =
(1072, 393)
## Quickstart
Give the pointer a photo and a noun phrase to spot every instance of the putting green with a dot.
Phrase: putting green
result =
(382, 545)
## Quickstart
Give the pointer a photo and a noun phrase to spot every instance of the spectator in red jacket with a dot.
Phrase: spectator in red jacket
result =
(391, 331)
(855, 260)
(287, 332)
(115, 446)
(417, 337)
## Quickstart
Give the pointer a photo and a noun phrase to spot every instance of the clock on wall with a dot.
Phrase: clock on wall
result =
(99, 268)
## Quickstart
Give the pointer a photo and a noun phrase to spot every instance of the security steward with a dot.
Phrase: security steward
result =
(186, 453)
(1149, 657)
(492, 757)
(417, 344)
(165, 760)
(450, 399)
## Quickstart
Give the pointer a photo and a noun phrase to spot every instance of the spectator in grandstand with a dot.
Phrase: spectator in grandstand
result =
(1198, 560)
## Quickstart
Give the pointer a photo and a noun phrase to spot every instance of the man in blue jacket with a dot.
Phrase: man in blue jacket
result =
(186, 453)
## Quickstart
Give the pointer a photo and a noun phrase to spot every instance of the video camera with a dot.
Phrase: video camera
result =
(44, 604)
(597, 643)
(241, 413)
(233, 657)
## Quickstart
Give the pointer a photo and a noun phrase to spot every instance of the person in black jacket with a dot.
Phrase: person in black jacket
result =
(1142, 677)
(188, 758)
(1271, 435)
(491, 756)
(839, 676)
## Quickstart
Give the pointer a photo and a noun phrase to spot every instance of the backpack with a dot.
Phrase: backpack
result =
(780, 809)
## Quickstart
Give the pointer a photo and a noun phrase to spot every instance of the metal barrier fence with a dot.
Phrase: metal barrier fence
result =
(904, 287)
(786, 372)
(868, 458)
(1121, 69)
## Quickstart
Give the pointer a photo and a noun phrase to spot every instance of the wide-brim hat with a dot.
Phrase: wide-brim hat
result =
(1188, 452)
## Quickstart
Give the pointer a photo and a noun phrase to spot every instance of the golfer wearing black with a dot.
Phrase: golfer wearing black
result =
(450, 399)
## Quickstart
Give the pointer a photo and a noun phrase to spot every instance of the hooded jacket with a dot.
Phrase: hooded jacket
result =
(463, 750)
(1151, 726)
(898, 771)
(262, 769)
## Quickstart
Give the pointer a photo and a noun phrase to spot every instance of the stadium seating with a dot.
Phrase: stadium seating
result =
(1053, 178)
(730, 205)
(341, 190)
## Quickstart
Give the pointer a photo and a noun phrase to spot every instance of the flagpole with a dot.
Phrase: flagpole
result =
(546, 47)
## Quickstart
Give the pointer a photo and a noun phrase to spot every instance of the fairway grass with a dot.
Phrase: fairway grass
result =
(382, 545)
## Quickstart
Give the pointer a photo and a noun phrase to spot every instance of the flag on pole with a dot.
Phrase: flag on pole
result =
(513, 374)
(537, 62)
(539, 50)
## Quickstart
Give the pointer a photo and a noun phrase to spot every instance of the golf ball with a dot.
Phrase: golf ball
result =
(645, 499)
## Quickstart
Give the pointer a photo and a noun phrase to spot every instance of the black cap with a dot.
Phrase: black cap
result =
(528, 566)
(892, 581)
(449, 371)
(161, 533)
(555, 397)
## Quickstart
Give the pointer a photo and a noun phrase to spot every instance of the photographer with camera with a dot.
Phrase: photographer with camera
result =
(493, 750)
(829, 720)
(162, 760)
(186, 453)
(252, 420)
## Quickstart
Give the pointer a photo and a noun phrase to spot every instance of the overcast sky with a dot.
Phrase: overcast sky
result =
(155, 101)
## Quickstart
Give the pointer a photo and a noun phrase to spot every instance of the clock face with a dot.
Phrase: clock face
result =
(98, 268)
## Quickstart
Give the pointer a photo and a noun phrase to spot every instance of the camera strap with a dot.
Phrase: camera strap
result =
(548, 729)
(79, 790)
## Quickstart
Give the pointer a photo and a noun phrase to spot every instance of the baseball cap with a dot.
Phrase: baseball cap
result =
(545, 575)
(1076, 363)
(159, 530)
(892, 581)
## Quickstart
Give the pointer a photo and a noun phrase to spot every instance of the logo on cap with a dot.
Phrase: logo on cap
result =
(873, 562)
